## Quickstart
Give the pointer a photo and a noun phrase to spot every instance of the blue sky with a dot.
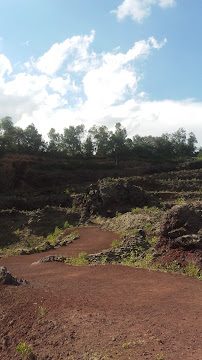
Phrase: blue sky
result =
(138, 62)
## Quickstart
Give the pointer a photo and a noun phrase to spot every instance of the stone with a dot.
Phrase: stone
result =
(7, 279)
(181, 227)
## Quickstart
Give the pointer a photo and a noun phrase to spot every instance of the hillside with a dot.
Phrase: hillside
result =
(80, 247)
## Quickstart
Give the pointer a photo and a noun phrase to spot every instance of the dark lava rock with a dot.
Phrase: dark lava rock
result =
(52, 258)
(108, 196)
(182, 227)
(7, 279)
(136, 244)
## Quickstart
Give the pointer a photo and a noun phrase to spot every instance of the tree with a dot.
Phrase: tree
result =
(12, 138)
(55, 141)
(178, 140)
(6, 124)
(33, 140)
(191, 144)
(71, 140)
(88, 147)
(6, 132)
(118, 142)
(101, 139)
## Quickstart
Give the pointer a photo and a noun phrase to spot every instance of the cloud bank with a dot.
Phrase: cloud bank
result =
(71, 84)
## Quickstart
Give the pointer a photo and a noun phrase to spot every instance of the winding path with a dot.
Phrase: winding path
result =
(101, 311)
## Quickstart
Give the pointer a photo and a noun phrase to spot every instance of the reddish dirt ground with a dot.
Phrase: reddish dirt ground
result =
(99, 311)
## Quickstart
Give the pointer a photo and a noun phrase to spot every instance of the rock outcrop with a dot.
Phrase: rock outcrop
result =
(109, 196)
(135, 245)
(7, 279)
(182, 227)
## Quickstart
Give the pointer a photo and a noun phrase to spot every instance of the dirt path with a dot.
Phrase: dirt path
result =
(99, 312)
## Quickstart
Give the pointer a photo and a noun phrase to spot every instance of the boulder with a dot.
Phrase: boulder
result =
(182, 227)
(7, 279)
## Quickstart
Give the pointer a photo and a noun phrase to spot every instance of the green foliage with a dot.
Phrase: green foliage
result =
(86, 196)
(173, 267)
(99, 141)
(192, 269)
(129, 232)
(104, 260)
(74, 233)
(100, 137)
(132, 257)
(146, 209)
(67, 191)
(131, 260)
(24, 349)
(67, 225)
(151, 240)
(82, 259)
(118, 213)
(54, 141)
(88, 147)
(57, 231)
(180, 201)
(148, 227)
(159, 357)
(118, 142)
(144, 262)
(137, 209)
(51, 238)
(42, 311)
(115, 244)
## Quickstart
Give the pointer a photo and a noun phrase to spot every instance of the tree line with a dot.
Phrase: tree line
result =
(98, 141)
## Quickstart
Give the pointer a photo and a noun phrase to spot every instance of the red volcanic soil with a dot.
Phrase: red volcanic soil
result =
(99, 311)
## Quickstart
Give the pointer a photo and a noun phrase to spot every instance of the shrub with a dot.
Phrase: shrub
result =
(159, 357)
(145, 262)
(151, 240)
(148, 227)
(67, 225)
(192, 269)
(74, 233)
(118, 213)
(57, 231)
(42, 311)
(115, 243)
(82, 259)
(24, 349)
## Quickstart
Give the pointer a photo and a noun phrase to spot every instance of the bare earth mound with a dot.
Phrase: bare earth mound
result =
(98, 312)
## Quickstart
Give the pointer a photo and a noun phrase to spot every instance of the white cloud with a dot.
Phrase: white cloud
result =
(139, 9)
(167, 3)
(99, 89)
(5, 66)
(110, 82)
(54, 58)
(157, 117)
(62, 85)
(25, 84)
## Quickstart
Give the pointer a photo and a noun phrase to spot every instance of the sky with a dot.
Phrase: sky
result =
(99, 62)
